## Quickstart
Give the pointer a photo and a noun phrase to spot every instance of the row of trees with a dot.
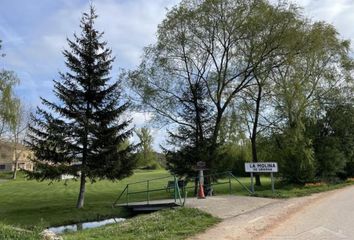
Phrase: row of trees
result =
(264, 66)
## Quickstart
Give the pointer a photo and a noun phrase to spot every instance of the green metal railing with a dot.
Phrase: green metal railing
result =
(177, 190)
(220, 179)
(129, 191)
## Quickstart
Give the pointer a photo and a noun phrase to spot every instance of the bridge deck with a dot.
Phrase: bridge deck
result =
(150, 206)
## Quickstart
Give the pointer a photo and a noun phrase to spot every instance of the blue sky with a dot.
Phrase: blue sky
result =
(34, 33)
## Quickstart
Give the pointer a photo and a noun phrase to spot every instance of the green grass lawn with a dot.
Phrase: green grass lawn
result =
(27, 203)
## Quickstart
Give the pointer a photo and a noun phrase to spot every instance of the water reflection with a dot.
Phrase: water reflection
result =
(82, 226)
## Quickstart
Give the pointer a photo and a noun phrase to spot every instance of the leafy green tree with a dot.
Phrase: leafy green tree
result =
(279, 33)
(82, 132)
(204, 42)
(232, 129)
(19, 133)
(308, 79)
(146, 156)
(333, 140)
(8, 100)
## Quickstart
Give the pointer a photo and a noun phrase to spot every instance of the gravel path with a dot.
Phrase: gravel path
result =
(254, 218)
(226, 207)
(331, 218)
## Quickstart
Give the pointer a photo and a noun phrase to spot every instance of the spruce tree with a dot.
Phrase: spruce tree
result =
(80, 134)
(191, 140)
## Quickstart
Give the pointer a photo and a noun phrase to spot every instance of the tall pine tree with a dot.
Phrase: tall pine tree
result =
(80, 134)
(191, 140)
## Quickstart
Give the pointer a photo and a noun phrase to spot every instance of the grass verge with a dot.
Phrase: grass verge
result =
(11, 233)
(293, 190)
(178, 223)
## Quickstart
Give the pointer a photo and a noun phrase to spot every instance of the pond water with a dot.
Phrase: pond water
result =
(85, 225)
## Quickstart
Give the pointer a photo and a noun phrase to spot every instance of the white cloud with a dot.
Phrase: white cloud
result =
(338, 13)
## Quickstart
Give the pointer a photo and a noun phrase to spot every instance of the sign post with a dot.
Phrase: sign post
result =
(201, 167)
(272, 179)
(252, 185)
(261, 167)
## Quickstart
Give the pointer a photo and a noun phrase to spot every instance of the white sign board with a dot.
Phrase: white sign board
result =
(201, 164)
(261, 167)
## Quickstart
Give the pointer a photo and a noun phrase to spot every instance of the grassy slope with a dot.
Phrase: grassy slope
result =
(167, 224)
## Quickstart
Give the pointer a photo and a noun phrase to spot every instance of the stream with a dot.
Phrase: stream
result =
(84, 225)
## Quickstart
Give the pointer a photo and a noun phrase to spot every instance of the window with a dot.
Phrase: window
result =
(2, 167)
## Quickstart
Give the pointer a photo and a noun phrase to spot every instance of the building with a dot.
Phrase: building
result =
(8, 157)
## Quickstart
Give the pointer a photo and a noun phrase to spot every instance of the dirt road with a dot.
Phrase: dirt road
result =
(331, 218)
(328, 215)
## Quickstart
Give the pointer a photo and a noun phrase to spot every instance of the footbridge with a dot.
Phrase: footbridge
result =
(171, 191)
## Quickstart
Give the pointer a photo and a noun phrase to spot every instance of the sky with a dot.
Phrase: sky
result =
(34, 34)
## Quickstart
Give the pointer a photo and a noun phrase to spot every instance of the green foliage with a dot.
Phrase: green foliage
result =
(333, 138)
(286, 190)
(191, 139)
(166, 224)
(146, 157)
(282, 66)
(212, 47)
(303, 85)
(297, 157)
(8, 101)
(161, 159)
(231, 130)
(13, 233)
(294, 153)
(330, 159)
(83, 129)
(234, 156)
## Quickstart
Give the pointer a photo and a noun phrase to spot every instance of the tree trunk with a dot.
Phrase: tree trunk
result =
(255, 159)
(16, 156)
(14, 175)
(254, 132)
(80, 200)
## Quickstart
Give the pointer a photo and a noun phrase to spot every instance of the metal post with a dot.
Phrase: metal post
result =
(148, 193)
(127, 194)
(272, 179)
(201, 177)
(175, 188)
(229, 183)
(252, 185)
